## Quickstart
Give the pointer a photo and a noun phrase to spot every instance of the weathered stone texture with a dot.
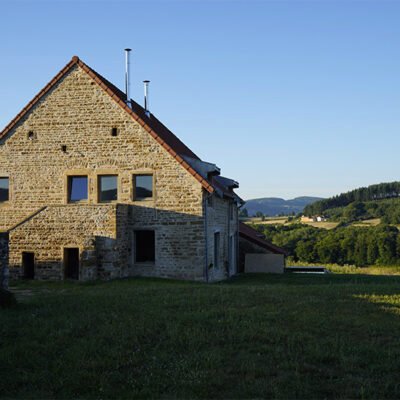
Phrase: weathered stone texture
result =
(56, 227)
(221, 219)
(78, 114)
(4, 271)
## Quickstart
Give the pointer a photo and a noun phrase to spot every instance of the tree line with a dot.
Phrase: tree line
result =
(360, 246)
(363, 194)
(387, 210)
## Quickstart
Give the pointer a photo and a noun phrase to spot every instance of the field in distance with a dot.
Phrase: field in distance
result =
(322, 224)
(286, 221)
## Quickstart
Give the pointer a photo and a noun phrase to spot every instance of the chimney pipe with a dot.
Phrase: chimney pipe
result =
(146, 97)
(127, 82)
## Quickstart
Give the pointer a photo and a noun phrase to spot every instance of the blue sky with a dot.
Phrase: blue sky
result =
(290, 98)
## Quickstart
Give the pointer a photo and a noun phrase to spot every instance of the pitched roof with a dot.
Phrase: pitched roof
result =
(152, 125)
(257, 238)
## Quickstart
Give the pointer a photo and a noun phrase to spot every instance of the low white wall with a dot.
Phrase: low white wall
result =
(267, 263)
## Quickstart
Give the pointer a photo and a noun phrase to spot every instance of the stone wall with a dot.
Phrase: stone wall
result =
(57, 227)
(4, 272)
(78, 114)
(221, 219)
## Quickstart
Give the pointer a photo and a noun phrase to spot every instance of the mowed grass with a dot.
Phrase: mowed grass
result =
(256, 336)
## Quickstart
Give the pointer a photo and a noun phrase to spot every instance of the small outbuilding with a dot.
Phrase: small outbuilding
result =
(257, 254)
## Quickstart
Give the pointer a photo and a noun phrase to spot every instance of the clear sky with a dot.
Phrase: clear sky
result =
(290, 98)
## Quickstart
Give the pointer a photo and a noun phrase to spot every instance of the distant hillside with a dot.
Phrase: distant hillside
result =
(272, 206)
(381, 191)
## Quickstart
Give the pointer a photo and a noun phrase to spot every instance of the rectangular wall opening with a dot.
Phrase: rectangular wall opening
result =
(216, 249)
(71, 263)
(145, 247)
(28, 265)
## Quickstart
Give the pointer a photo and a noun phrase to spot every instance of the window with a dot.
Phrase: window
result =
(114, 132)
(77, 188)
(143, 187)
(216, 249)
(231, 211)
(108, 188)
(4, 189)
(144, 246)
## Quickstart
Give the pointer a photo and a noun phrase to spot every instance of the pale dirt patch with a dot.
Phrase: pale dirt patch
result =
(322, 225)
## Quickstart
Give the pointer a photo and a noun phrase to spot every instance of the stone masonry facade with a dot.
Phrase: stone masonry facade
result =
(4, 272)
(67, 132)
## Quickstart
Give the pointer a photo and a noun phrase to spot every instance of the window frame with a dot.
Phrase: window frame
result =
(69, 187)
(231, 211)
(217, 249)
(134, 176)
(99, 176)
(4, 176)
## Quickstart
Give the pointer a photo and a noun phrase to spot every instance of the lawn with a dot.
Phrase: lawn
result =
(256, 336)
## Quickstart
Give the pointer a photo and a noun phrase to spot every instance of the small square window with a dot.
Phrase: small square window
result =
(145, 246)
(77, 188)
(108, 188)
(143, 187)
(4, 189)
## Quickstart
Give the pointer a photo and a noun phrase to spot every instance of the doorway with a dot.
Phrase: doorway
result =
(71, 263)
(28, 265)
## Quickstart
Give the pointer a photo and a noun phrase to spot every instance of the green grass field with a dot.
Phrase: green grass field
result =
(257, 336)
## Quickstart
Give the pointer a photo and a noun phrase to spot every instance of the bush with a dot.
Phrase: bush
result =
(7, 299)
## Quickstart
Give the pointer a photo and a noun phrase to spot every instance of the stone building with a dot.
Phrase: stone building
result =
(95, 187)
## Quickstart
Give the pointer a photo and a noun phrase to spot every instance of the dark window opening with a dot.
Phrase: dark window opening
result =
(64, 148)
(77, 188)
(4, 189)
(28, 265)
(108, 188)
(145, 246)
(114, 132)
(31, 135)
(143, 187)
(216, 249)
(71, 263)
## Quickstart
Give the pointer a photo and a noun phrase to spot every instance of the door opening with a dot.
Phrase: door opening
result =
(28, 265)
(71, 263)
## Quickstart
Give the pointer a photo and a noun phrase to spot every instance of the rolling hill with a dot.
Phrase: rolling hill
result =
(272, 206)
(376, 201)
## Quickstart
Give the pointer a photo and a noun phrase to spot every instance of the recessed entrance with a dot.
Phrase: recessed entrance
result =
(71, 263)
(28, 265)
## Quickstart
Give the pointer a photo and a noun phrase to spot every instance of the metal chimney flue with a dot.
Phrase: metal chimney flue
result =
(146, 97)
(127, 77)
